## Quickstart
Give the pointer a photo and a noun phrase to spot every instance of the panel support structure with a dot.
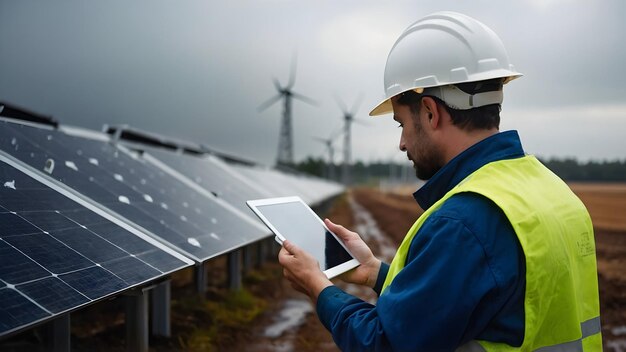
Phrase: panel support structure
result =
(137, 321)
(247, 257)
(57, 334)
(161, 308)
(201, 278)
(274, 248)
(234, 270)
(261, 255)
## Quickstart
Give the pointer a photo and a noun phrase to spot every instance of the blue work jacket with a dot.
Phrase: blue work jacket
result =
(467, 273)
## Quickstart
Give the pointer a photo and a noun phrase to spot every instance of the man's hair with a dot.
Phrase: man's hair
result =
(484, 117)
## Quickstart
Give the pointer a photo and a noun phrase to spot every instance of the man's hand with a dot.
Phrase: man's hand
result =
(367, 272)
(302, 270)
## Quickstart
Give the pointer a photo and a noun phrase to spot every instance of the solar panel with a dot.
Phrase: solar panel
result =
(198, 225)
(265, 180)
(57, 252)
(312, 190)
(215, 176)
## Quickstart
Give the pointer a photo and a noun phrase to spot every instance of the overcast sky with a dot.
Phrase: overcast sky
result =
(198, 70)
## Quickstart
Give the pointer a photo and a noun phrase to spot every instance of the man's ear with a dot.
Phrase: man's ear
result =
(432, 112)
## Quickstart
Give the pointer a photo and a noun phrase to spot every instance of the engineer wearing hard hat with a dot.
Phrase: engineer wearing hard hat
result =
(503, 258)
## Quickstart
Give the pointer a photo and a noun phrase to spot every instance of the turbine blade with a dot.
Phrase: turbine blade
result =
(360, 122)
(304, 99)
(321, 140)
(269, 102)
(277, 84)
(292, 72)
(357, 103)
(340, 103)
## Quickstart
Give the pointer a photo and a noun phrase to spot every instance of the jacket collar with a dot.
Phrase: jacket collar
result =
(500, 146)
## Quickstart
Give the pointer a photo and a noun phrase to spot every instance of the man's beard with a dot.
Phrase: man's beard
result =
(428, 165)
(430, 157)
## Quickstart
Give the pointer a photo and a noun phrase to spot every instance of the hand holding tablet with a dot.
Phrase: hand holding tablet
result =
(290, 218)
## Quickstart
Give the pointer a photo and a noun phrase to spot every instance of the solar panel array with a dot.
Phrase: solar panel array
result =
(57, 254)
(280, 184)
(193, 223)
(212, 174)
(82, 218)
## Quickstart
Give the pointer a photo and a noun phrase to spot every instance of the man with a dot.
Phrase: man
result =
(503, 257)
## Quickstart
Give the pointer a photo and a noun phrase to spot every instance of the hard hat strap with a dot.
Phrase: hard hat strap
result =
(459, 100)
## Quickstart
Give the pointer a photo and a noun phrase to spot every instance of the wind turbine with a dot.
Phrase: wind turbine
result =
(285, 142)
(348, 117)
(328, 142)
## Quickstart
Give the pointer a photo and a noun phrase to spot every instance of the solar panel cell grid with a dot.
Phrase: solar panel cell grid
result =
(214, 176)
(139, 191)
(51, 263)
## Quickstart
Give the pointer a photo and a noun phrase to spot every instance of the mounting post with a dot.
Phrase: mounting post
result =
(201, 278)
(234, 270)
(137, 321)
(57, 334)
(261, 253)
(161, 307)
(247, 257)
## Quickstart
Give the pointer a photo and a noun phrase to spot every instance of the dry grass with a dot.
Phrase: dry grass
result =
(606, 203)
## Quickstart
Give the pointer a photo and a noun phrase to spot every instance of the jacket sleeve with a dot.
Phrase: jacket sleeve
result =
(446, 292)
(380, 280)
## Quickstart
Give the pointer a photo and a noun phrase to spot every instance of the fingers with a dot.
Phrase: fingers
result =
(292, 280)
(291, 248)
(284, 256)
(339, 230)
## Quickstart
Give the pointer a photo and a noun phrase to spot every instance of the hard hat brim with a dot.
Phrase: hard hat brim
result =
(382, 108)
(385, 107)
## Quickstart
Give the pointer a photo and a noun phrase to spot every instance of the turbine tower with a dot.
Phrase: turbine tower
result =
(348, 117)
(328, 142)
(285, 142)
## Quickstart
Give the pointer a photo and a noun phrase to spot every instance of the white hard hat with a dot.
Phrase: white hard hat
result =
(441, 49)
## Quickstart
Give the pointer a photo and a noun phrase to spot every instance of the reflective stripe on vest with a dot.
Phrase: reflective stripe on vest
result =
(588, 328)
(561, 303)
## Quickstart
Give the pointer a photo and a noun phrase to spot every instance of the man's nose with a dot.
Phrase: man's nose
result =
(402, 145)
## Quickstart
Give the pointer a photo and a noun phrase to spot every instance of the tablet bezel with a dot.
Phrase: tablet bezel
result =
(330, 272)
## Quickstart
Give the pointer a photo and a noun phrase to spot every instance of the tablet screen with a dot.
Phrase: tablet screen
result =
(296, 222)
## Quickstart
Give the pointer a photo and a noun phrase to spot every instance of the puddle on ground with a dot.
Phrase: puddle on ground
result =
(291, 316)
(618, 345)
(282, 332)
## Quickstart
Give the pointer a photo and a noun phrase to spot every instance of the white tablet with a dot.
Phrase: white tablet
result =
(292, 219)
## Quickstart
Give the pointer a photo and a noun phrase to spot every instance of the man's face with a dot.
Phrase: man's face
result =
(416, 141)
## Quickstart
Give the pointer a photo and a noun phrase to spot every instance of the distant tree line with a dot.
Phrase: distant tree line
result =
(568, 169)
(571, 169)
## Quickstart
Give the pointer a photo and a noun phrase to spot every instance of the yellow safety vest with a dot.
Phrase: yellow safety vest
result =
(561, 302)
